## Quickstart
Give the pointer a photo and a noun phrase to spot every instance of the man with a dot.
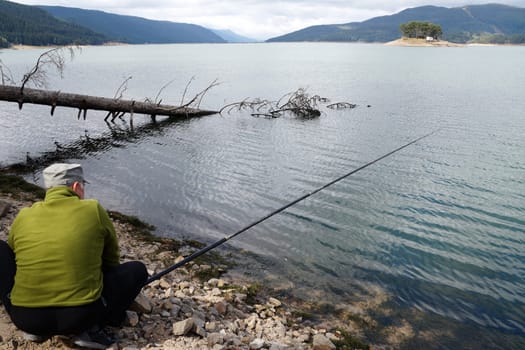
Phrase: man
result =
(60, 271)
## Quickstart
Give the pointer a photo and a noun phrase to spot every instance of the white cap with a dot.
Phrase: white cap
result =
(62, 174)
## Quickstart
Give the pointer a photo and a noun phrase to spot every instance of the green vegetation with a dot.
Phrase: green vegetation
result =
(29, 25)
(142, 228)
(206, 274)
(349, 342)
(421, 30)
(515, 39)
(17, 186)
(251, 292)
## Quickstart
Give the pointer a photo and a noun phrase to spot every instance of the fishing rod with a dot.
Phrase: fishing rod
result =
(284, 207)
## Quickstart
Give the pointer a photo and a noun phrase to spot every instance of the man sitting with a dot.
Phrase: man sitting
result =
(60, 271)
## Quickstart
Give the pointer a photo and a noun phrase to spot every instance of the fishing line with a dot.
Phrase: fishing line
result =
(227, 238)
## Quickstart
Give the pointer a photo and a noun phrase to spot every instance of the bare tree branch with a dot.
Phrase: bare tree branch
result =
(298, 103)
(54, 58)
(161, 89)
(122, 88)
(186, 89)
(200, 95)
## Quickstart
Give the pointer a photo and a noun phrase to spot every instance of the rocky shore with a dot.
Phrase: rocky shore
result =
(194, 307)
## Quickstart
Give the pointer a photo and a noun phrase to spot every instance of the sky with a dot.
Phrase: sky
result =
(259, 19)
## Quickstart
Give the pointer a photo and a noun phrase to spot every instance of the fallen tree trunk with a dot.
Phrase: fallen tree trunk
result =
(116, 107)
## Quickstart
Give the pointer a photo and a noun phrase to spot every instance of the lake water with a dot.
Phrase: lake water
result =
(439, 226)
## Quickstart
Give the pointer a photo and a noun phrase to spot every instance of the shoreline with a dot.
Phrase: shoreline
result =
(399, 42)
(37, 47)
(197, 306)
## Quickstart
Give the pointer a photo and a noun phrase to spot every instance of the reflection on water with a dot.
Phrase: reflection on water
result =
(118, 135)
(439, 226)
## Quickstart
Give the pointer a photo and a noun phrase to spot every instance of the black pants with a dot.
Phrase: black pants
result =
(122, 284)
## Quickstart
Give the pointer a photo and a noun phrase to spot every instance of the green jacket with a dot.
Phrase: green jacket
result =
(61, 246)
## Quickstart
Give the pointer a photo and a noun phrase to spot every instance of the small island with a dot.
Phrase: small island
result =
(421, 34)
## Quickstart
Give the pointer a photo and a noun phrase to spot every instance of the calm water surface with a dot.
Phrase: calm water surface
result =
(440, 225)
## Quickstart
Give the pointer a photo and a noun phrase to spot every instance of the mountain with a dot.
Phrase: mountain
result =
(232, 37)
(29, 25)
(134, 30)
(459, 24)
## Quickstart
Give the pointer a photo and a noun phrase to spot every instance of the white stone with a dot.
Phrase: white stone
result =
(154, 284)
(168, 293)
(141, 304)
(251, 322)
(211, 326)
(183, 327)
(184, 284)
(164, 284)
(257, 344)
(213, 282)
(321, 342)
(221, 283)
(274, 302)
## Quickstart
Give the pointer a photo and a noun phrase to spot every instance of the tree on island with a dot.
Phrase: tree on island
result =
(421, 30)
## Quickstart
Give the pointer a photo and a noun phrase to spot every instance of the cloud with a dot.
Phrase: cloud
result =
(259, 19)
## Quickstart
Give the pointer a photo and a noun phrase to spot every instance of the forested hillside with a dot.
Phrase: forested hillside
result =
(29, 25)
(459, 24)
(134, 30)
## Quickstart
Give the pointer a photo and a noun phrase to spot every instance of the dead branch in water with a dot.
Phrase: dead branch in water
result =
(341, 105)
(116, 107)
(85, 102)
(298, 104)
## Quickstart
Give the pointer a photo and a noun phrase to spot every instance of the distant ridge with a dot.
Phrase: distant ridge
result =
(134, 30)
(29, 25)
(459, 24)
(232, 37)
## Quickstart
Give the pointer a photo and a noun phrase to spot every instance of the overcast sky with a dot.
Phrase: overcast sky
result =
(258, 19)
